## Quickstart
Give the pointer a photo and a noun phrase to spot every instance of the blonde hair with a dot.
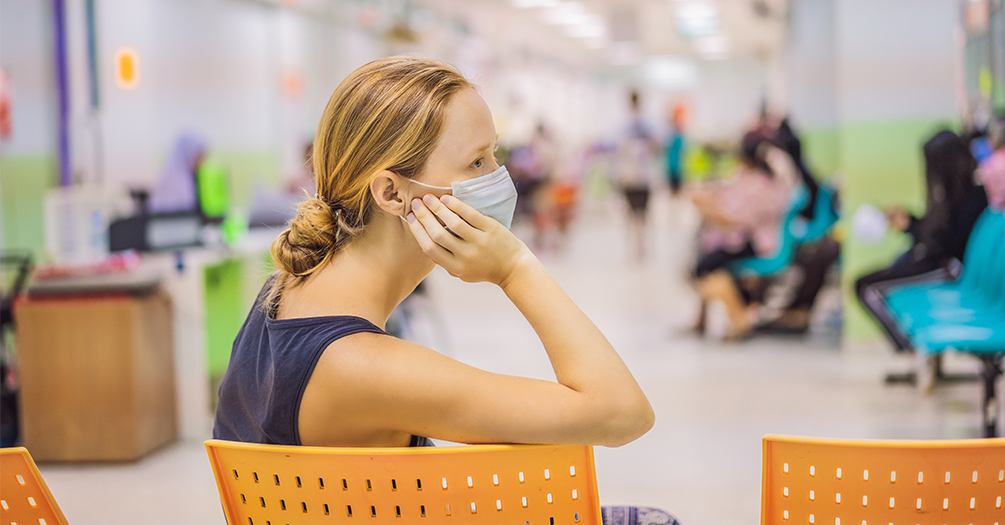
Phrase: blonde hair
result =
(386, 115)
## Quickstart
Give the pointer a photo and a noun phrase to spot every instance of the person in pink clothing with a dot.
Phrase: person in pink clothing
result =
(991, 174)
(743, 217)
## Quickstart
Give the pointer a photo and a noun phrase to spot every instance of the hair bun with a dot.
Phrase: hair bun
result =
(309, 240)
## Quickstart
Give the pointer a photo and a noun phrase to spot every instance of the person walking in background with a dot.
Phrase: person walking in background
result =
(674, 151)
(634, 169)
(954, 202)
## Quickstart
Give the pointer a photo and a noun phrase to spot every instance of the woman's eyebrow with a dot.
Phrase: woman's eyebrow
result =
(484, 147)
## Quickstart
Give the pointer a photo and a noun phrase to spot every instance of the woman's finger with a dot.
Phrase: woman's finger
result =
(454, 223)
(433, 228)
(437, 253)
(466, 212)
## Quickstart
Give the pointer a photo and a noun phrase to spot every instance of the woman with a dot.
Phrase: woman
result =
(744, 217)
(176, 190)
(954, 202)
(404, 167)
(635, 166)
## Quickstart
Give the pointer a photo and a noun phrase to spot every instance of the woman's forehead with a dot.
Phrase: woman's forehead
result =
(467, 123)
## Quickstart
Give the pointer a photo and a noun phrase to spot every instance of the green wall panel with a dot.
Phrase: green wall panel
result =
(247, 170)
(821, 150)
(225, 312)
(24, 180)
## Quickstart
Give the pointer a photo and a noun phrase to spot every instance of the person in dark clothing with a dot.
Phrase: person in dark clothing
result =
(954, 202)
(786, 139)
(407, 180)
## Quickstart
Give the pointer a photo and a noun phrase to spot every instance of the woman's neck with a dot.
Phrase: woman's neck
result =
(367, 279)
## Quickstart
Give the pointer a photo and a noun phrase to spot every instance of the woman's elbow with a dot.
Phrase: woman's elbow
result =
(630, 421)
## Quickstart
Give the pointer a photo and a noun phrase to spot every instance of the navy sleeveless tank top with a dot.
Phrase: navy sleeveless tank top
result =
(270, 364)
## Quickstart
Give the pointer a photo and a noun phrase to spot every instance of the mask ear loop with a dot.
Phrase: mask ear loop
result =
(430, 186)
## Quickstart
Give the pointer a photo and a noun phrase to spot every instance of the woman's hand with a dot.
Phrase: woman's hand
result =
(898, 218)
(479, 249)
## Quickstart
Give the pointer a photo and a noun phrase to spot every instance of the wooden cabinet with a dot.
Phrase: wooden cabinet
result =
(97, 376)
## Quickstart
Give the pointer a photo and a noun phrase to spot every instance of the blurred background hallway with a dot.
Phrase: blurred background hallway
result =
(741, 194)
(713, 400)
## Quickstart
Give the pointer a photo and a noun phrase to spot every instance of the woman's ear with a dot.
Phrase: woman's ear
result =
(386, 191)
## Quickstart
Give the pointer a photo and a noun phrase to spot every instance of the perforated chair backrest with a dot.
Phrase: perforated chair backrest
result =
(490, 484)
(24, 497)
(851, 482)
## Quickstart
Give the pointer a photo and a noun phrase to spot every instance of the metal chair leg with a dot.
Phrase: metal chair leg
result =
(990, 373)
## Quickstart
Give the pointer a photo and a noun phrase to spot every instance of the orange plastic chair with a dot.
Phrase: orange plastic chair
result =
(853, 482)
(24, 497)
(490, 484)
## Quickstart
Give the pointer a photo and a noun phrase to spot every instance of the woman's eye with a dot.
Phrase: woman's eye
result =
(477, 164)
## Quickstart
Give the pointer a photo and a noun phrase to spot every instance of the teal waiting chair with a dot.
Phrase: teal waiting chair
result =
(967, 315)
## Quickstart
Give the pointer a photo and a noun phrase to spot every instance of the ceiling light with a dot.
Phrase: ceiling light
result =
(565, 13)
(530, 4)
(712, 47)
(697, 19)
(671, 72)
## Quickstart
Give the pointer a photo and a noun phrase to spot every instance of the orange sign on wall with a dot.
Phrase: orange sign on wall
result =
(127, 68)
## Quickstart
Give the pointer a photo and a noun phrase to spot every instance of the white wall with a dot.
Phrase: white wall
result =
(25, 53)
(896, 58)
(811, 64)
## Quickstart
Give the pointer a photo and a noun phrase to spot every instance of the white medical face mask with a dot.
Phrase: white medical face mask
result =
(493, 195)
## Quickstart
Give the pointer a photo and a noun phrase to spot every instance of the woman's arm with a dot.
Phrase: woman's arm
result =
(707, 204)
(377, 383)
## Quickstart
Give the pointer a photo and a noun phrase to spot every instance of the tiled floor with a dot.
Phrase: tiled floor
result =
(713, 401)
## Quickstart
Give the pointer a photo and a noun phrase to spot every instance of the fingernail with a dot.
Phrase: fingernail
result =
(445, 199)
(428, 199)
(416, 203)
(410, 218)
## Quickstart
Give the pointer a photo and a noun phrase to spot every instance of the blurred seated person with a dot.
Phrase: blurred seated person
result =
(177, 189)
(992, 177)
(991, 172)
(789, 142)
(743, 216)
(954, 202)
(814, 259)
(302, 180)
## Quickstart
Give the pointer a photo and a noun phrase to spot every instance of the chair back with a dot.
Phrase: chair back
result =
(490, 484)
(24, 497)
(824, 217)
(851, 482)
(983, 247)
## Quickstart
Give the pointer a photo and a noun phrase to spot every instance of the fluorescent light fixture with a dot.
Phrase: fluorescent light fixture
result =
(531, 4)
(586, 31)
(671, 71)
(697, 18)
(713, 47)
(566, 13)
